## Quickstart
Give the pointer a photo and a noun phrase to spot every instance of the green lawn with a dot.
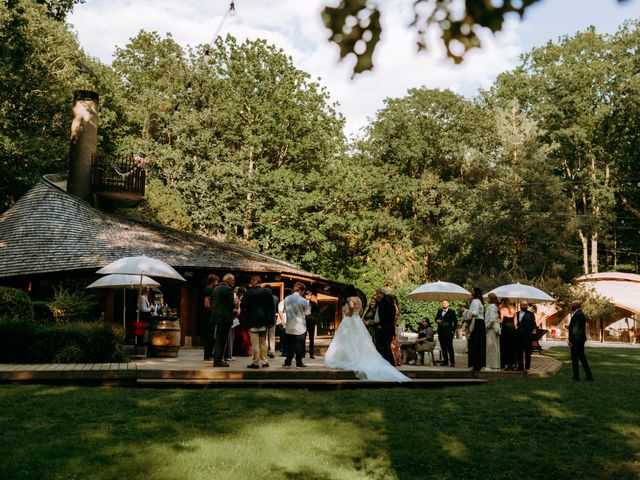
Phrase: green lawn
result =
(521, 429)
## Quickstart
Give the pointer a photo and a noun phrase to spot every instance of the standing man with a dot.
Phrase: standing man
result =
(312, 298)
(271, 329)
(577, 339)
(296, 308)
(447, 322)
(224, 306)
(259, 313)
(385, 319)
(526, 329)
(207, 327)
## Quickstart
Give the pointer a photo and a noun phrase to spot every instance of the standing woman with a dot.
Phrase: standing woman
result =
(477, 336)
(395, 348)
(507, 335)
(492, 324)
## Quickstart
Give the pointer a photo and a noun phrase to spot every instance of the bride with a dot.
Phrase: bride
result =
(352, 348)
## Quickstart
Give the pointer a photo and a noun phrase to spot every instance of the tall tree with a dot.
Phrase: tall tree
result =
(576, 90)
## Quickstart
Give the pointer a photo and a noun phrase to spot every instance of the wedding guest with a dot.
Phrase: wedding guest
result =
(296, 308)
(207, 327)
(385, 318)
(395, 348)
(224, 307)
(259, 312)
(525, 333)
(312, 298)
(477, 334)
(369, 319)
(447, 322)
(271, 329)
(425, 342)
(241, 339)
(492, 325)
(145, 306)
(577, 339)
(507, 335)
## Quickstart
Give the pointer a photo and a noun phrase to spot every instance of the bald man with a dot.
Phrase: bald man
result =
(222, 315)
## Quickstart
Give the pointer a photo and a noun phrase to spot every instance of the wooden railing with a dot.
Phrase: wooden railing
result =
(118, 175)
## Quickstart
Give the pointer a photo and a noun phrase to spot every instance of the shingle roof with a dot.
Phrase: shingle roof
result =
(49, 230)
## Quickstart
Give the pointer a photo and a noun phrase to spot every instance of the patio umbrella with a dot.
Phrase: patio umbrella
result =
(123, 281)
(141, 266)
(520, 292)
(438, 291)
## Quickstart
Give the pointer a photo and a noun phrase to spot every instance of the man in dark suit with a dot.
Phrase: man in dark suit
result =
(259, 313)
(447, 322)
(386, 324)
(224, 306)
(577, 339)
(525, 333)
(207, 327)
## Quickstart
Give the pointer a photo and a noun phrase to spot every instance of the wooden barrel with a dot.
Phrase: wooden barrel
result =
(164, 338)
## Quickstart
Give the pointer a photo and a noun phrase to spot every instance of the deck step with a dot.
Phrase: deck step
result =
(317, 384)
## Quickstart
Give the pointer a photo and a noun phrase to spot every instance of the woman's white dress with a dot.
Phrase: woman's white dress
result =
(492, 324)
(353, 349)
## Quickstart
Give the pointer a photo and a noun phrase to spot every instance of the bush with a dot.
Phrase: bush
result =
(69, 306)
(28, 342)
(15, 304)
(42, 313)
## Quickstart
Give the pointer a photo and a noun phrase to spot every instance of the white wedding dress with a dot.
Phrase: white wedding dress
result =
(353, 349)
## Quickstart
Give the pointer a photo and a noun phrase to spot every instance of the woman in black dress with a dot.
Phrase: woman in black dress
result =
(477, 344)
(507, 335)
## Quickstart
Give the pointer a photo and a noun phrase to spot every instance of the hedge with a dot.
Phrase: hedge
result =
(29, 342)
(15, 304)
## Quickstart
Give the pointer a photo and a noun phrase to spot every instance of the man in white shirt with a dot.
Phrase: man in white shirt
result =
(296, 308)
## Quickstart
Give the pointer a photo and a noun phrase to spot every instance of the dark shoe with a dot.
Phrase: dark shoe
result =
(312, 356)
(208, 359)
(589, 379)
(574, 379)
(286, 365)
(271, 355)
(265, 365)
(453, 365)
(253, 365)
(445, 364)
(302, 365)
(220, 364)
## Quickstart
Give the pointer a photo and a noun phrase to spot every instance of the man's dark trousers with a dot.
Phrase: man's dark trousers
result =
(577, 355)
(295, 345)
(446, 346)
(222, 335)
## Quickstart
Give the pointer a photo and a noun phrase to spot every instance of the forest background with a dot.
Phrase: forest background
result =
(533, 180)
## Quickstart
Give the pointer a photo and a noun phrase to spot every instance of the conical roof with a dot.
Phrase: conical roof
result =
(49, 230)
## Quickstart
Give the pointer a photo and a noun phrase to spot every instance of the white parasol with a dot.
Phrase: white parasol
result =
(438, 291)
(116, 280)
(520, 292)
(141, 266)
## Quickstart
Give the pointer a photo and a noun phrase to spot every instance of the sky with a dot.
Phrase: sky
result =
(296, 27)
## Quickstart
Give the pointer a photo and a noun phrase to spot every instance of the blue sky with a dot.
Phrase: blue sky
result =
(296, 27)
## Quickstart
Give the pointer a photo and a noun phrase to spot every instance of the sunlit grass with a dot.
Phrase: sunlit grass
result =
(525, 429)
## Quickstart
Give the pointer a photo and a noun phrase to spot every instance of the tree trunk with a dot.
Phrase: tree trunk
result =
(246, 231)
(594, 252)
(585, 251)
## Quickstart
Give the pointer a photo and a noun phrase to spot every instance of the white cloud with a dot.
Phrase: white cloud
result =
(296, 27)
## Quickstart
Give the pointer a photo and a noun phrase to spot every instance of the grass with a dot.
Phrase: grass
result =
(520, 429)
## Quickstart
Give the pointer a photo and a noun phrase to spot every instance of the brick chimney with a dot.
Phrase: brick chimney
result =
(84, 143)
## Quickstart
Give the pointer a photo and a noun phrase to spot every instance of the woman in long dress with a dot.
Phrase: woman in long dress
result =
(507, 335)
(477, 333)
(492, 325)
(352, 348)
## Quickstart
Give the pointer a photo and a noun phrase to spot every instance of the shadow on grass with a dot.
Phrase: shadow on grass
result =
(527, 428)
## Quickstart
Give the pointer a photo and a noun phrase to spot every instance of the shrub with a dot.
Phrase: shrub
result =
(42, 313)
(69, 306)
(24, 342)
(15, 304)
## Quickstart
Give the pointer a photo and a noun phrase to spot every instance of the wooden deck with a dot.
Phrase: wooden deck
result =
(189, 370)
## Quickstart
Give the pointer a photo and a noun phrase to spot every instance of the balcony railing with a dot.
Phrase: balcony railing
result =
(118, 176)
